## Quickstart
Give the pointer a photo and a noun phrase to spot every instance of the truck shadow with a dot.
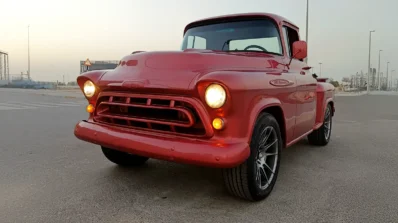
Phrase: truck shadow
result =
(185, 185)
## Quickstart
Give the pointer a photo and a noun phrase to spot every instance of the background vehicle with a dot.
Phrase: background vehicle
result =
(236, 94)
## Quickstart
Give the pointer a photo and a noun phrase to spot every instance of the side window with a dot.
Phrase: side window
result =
(196, 42)
(286, 39)
(290, 36)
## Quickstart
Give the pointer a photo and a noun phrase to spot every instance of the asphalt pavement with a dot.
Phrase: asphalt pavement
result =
(47, 175)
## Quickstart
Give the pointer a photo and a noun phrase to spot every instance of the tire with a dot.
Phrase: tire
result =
(122, 158)
(321, 136)
(242, 181)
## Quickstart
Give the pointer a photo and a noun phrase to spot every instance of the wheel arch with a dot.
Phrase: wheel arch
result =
(331, 103)
(324, 98)
(273, 107)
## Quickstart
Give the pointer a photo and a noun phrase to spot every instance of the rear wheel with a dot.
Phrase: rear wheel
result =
(122, 158)
(256, 177)
(321, 136)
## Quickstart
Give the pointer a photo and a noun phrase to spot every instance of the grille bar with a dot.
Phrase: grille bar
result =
(188, 123)
(132, 118)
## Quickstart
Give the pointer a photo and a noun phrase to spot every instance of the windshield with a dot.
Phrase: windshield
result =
(253, 35)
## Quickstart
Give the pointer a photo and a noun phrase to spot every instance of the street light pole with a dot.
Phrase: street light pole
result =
(28, 55)
(370, 46)
(387, 76)
(392, 79)
(378, 72)
(306, 35)
(320, 69)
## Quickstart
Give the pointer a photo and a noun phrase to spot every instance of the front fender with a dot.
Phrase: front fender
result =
(93, 76)
(260, 105)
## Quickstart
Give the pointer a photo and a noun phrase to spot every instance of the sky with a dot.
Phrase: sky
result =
(64, 32)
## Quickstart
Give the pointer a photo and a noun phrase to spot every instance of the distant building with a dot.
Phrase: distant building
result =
(98, 65)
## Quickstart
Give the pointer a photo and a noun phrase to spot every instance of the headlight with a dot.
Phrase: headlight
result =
(89, 89)
(215, 96)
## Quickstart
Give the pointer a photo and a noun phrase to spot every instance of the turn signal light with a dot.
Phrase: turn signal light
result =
(218, 123)
(90, 108)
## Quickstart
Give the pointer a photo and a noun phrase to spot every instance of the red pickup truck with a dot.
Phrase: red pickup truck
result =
(235, 94)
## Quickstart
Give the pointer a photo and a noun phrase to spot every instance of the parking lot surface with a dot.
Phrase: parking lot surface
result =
(47, 175)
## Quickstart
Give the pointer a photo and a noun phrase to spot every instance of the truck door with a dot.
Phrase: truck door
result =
(305, 96)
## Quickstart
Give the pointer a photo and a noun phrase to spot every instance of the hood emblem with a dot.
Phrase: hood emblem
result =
(281, 82)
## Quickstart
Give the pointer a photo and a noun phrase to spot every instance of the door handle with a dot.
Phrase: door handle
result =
(302, 72)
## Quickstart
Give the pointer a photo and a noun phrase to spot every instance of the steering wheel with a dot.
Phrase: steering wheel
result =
(255, 46)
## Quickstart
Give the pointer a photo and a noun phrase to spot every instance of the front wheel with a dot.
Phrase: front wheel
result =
(122, 158)
(321, 136)
(256, 177)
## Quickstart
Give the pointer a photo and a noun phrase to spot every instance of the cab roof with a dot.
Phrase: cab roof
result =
(278, 19)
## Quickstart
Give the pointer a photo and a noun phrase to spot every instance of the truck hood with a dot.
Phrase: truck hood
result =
(178, 69)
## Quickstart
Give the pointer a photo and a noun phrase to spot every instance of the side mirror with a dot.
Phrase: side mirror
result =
(299, 50)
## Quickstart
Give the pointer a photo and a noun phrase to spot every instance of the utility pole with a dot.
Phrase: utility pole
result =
(8, 69)
(306, 35)
(370, 46)
(5, 66)
(371, 75)
(320, 69)
(28, 55)
(378, 72)
(1, 67)
(387, 76)
(392, 79)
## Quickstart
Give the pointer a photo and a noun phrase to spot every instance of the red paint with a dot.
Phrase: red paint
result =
(133, 84)
(253, 81)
